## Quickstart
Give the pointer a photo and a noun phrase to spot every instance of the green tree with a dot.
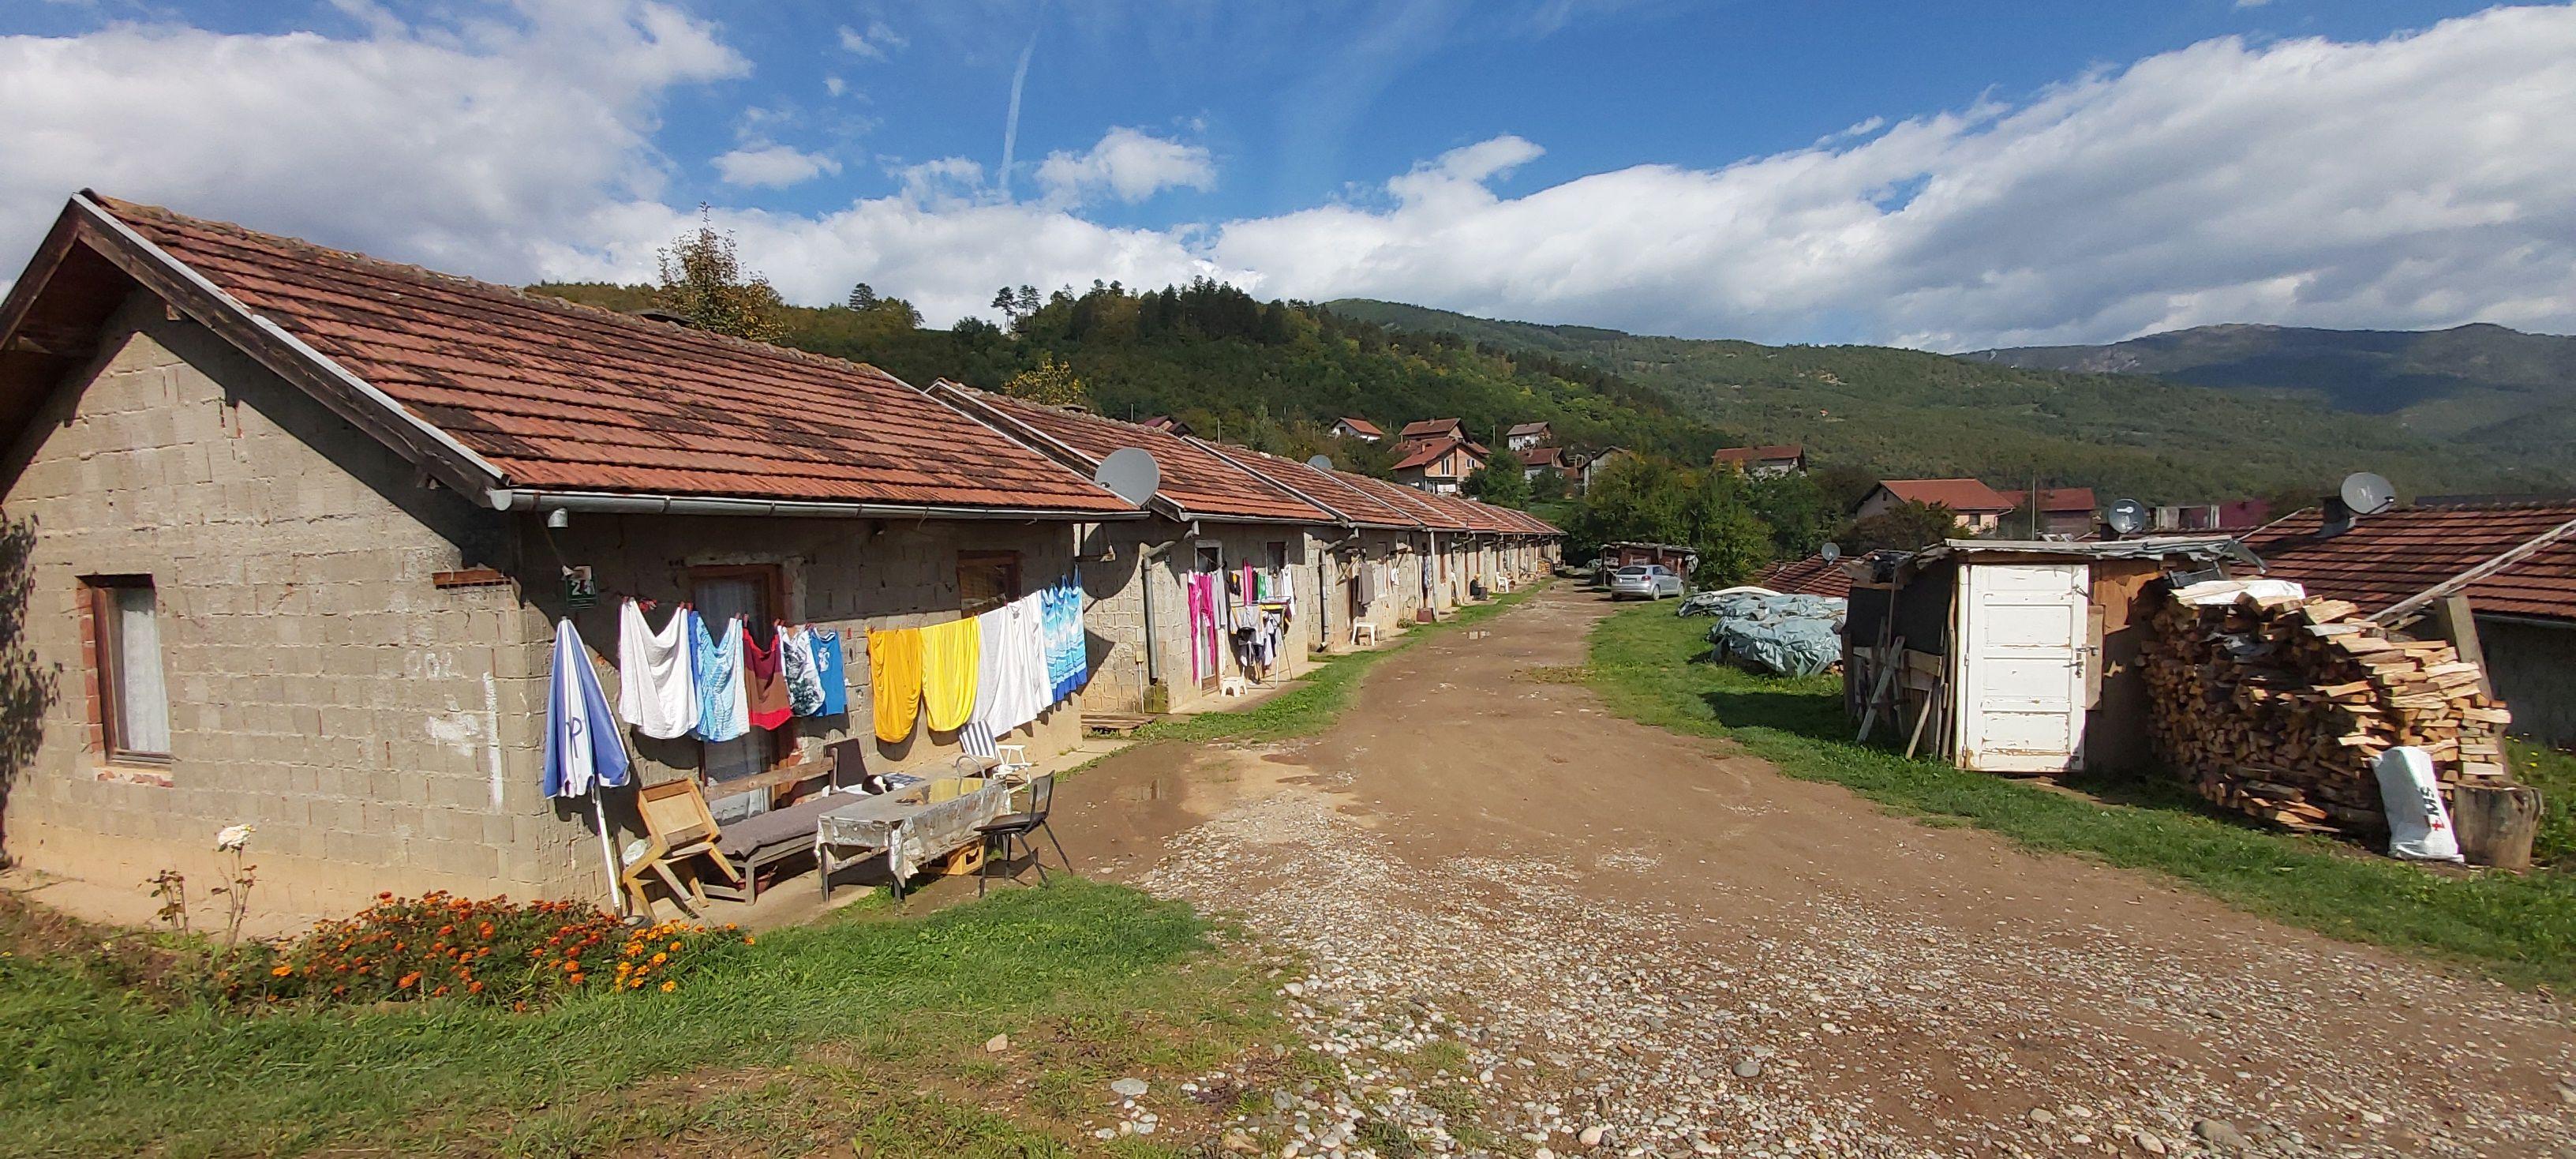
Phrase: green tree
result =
(1548, 486)
(1652, 501)
(1050, 383)
(1795, 509)
(862, 297)
(1502, 480)
(702, 280)
(1904, 527)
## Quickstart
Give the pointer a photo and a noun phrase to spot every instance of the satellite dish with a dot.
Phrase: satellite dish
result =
(2367, 494)
(1321, 462)
(2126, 516)
(1830, 552)
(1131, 474)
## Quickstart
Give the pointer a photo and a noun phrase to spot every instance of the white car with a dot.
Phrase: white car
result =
(1649, 580)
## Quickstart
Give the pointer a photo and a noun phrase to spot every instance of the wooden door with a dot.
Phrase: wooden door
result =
(2022, 634)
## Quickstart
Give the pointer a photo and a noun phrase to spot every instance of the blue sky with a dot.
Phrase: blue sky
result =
(1937, 175)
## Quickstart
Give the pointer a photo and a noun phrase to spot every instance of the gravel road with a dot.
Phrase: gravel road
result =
(1533, 929)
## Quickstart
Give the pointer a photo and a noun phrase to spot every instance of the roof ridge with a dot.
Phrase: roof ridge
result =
(425, 274)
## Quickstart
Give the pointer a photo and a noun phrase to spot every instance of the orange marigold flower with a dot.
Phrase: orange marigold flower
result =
(406, 980)
(658, 959)
(748, 940)
(576, 979)
(281, 971)
(474, 987)
(667, 987)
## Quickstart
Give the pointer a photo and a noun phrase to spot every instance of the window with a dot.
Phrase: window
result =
(133, 700)
(756, 594)
(986, 580)
(1278, 556)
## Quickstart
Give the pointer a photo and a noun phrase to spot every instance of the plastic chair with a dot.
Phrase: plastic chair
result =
(1017, 827)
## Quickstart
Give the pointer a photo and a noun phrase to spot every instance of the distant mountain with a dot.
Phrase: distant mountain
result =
(2480, 409)
(2481, 384)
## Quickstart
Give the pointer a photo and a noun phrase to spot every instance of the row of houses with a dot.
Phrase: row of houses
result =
(290, 530)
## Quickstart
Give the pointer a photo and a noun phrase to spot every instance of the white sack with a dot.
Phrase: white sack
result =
(2419, 828)
(2226, 591)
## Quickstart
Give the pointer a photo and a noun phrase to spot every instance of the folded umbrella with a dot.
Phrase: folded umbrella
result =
(583, 751)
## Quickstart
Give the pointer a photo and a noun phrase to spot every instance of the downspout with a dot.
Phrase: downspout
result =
(1145, 577)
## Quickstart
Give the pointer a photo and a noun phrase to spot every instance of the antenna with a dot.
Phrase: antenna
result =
(2367, 494)
(1321, 462)
(1830, 552)
(1131, 474)
(2126, 516)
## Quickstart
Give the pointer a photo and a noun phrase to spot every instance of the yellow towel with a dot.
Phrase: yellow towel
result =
(894, 680)
(950, 657)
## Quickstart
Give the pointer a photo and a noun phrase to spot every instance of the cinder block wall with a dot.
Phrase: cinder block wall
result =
(379, 731)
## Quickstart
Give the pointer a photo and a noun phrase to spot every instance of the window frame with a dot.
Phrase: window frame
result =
(106, 653)
(1012, 588)
(772, 581)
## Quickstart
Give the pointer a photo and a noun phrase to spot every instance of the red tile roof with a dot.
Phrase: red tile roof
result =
(2394, 555)
(1477, 516)
(1961, 495)
(1325, 487)
(1812, 576)
(1519, 429)
(2054, 499)
(1423, 453)
(1412, 501)
(1434, 428)
(1199, 481)
(1363, 426)
(1761, 454)
(1544, 458)
(564, 397)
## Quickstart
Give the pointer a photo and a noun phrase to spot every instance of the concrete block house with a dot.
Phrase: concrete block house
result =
(289, 529)
(1209, 516)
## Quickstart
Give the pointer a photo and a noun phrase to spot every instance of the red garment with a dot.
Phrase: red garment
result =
(764, 680)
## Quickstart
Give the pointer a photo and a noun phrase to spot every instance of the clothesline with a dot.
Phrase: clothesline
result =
(980, 676)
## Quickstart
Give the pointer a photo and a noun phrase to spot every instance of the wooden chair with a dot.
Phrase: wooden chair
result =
(678, 827)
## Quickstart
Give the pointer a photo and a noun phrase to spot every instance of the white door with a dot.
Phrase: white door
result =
(2021, 668)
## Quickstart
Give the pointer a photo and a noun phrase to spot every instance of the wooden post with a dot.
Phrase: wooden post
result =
(2452, 621)
(2496, 823)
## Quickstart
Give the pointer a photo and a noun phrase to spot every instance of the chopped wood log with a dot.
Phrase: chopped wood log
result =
(2279, 708)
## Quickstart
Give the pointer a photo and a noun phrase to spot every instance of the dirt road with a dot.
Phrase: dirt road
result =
(1536, 929)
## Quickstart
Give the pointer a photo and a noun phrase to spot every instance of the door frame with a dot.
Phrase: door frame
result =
(1966, 709)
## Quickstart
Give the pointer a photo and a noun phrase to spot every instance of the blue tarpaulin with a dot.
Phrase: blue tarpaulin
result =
(1789, 635)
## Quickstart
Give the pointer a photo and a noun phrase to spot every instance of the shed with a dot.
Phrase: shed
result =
(2014, 656)
(1676, 557)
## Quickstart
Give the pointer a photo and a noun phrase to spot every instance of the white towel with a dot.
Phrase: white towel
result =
(657, 689)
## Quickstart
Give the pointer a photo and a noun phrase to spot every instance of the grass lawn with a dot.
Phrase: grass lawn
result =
(853, 1031)
(1646, 663)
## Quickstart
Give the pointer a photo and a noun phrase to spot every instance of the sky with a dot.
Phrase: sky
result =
(1944, 176)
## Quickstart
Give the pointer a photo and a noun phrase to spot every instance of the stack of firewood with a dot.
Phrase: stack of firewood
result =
(2278, 707)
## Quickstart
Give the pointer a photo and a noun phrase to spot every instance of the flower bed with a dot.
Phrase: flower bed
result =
(494, 951)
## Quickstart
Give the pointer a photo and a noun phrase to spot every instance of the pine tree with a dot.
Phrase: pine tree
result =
(862, 297)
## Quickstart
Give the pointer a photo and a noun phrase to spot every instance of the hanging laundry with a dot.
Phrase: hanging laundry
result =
(657, 690)
(763, 678)
(894, 680)
(796, 660)
(991, 631)
(1206, 617)
(1067, 656)
(831, 670)
(950, 656)
(724, 710)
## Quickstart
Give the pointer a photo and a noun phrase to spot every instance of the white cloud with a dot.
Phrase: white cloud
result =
(835, 85)
(464, 146)
(1130, 163)
(2416, 181)
(875, 43)
(773, 166)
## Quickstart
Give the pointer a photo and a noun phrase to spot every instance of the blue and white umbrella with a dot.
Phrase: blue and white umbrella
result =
(584, 754)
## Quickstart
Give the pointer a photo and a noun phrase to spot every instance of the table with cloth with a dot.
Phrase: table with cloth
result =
(911, 826)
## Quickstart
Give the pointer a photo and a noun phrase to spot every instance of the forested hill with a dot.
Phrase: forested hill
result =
(1272, 375)
(1908, 413)
(2479, 385)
